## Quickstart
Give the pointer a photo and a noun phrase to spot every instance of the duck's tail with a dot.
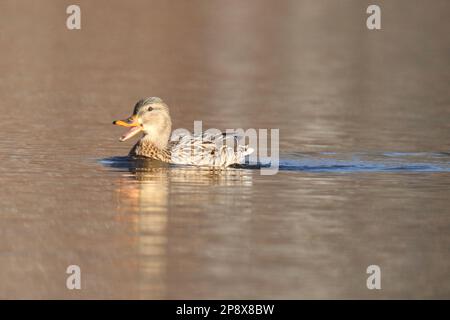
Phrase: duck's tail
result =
(241, 153)
(247, 150)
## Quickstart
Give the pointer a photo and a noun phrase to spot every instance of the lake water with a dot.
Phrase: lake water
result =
(364, 179)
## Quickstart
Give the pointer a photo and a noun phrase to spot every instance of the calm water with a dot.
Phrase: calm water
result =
(364, 121)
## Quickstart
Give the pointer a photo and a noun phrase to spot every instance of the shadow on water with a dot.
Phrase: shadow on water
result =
(330, 162)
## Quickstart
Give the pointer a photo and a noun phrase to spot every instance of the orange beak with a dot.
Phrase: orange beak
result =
(131, 123)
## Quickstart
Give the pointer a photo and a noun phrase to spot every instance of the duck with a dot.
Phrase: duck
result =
(151, 119)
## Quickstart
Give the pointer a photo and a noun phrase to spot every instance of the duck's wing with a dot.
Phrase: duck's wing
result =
(209, 149)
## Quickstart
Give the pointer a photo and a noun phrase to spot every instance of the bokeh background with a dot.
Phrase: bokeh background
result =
(310, 68)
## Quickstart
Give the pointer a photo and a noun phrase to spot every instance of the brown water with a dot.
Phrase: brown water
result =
(364, 141)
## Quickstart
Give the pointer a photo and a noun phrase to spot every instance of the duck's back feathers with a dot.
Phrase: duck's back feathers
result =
(207, 149)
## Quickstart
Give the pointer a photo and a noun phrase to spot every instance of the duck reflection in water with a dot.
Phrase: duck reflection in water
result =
(165, 205)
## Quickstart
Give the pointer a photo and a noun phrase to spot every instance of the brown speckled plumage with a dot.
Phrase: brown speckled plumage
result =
(144, 148)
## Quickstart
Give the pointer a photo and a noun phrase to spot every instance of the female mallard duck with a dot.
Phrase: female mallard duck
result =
(151, 117)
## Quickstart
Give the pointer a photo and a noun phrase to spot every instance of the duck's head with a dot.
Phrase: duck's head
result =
(151, 117)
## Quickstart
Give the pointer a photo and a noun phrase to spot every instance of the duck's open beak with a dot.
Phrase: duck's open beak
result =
(131, 123)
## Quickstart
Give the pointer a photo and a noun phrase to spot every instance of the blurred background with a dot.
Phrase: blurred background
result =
(310, 68)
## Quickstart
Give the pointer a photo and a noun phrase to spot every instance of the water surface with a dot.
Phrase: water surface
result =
(364, 146)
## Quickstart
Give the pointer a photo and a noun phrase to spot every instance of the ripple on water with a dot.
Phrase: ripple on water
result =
(336, 162)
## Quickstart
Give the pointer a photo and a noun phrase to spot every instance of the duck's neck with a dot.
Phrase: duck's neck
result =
(151, 148)
(159, 142)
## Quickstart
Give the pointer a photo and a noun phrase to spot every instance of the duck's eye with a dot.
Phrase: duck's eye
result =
(150, 109)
